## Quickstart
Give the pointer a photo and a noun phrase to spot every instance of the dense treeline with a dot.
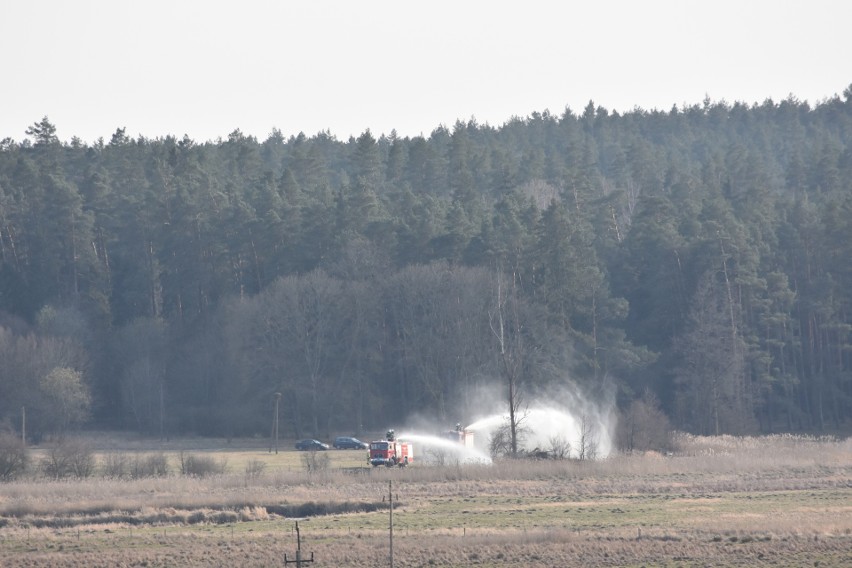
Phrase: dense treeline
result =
(701, 255)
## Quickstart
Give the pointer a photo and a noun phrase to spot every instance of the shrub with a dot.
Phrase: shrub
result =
(201, 466)
(116, 465)
(560, 447)
(69, 458)
(151, 465)
(13, 457)
(254, 513)
(500, 444)
(315, 461)
(254, 468)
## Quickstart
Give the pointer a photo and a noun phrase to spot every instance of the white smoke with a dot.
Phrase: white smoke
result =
(561, 417)
(435, 448)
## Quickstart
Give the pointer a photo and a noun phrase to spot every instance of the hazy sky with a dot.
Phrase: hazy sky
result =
(207, 67)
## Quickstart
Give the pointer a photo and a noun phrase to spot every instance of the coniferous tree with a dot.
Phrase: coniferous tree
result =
(616, 228)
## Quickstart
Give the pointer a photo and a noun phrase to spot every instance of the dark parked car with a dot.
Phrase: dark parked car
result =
(346, 443)
(310, 445)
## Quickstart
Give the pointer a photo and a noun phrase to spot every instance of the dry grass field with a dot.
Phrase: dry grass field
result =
(776, 501)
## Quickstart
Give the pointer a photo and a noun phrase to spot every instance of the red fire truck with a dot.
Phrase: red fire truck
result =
(390, 452)
(460, 435)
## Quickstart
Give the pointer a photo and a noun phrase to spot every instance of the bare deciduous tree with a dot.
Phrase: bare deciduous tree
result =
(291, 333)
(501, 442)
(315, 330)
(644, 425)
(438, 315)
(141, 348)
(13, 456)
(506, 326)
(587, 438)
(29, 365)
(67, 399)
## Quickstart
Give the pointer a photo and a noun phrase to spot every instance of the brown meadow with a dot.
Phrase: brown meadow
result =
(723, 501)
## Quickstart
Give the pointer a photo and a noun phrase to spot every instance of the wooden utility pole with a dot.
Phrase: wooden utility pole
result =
(390, 501)
(298, 561)
(274, 440)
(24, 425)
(162, 412)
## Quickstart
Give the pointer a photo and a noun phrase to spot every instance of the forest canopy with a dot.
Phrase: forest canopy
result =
(700, 255)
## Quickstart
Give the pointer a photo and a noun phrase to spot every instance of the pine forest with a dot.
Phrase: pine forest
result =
(696, 262)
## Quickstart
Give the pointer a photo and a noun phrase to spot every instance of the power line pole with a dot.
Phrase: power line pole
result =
(274, 436)
(298, 561)
(162, 412)
(390, 501)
